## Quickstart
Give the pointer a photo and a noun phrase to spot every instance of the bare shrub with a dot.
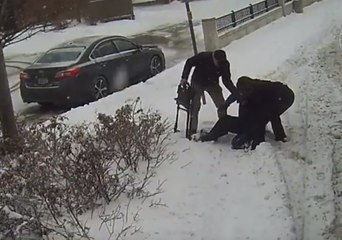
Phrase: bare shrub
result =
(118, 224)
(58, 171)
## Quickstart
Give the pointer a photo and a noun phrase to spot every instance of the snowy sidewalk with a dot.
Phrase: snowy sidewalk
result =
(281, 190)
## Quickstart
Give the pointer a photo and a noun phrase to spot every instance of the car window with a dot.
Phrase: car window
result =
(124, 45)
(104, 49)
(61, 55)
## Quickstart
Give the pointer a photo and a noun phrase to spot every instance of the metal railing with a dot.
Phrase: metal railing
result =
(235, 18)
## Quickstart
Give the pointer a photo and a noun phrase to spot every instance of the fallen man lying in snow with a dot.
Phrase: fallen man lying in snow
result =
(261, 102)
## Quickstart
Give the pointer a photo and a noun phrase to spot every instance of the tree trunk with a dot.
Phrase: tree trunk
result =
(8, 124)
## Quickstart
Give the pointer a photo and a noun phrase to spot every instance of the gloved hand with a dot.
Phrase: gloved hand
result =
(183, 81)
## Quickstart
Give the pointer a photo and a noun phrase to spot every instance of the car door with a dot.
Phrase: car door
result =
(134, 59)
(110, 64)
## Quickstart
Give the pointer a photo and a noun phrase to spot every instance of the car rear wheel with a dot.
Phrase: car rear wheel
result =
(100, 88)
(156, 66)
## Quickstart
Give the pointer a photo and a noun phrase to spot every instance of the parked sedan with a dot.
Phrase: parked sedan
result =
(87, 69)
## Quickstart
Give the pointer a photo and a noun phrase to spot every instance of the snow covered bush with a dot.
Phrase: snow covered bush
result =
(58, 171)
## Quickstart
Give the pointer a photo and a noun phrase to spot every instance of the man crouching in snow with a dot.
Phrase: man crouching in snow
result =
(261, 102)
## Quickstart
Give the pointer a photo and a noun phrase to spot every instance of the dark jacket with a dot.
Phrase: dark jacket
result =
(262, 93)
(206, 73)
(273, 96)
(265, 102)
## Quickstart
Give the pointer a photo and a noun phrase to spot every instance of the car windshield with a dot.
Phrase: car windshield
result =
(61, 55)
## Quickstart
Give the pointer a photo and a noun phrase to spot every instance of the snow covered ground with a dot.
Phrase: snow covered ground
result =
(281, 190)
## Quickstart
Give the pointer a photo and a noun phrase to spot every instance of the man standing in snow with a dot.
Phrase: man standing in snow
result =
(209, 66)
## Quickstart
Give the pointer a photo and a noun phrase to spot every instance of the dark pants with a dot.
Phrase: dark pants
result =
(215, 92)
(222, 127)
(252, 124)
(249, 131)
(285, 100)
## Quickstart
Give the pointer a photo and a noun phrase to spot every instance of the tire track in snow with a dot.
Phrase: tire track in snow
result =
(315, 208)
(290, 157)
(321, 96)
(333, 56)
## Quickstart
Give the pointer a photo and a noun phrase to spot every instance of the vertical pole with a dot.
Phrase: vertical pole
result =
(266, 5)
(177, 116)
(191, 26)
(282, 4)
(193, 38)
(251, 11)
(233, 18)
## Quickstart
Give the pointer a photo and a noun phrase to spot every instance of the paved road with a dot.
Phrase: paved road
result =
(175, 41)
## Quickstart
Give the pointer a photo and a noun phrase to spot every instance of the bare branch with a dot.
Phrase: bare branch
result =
(15, 37)
(60, 172)
(158, 203)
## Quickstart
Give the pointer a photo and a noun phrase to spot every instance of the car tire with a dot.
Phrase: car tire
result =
(156, 65)
(100, 88)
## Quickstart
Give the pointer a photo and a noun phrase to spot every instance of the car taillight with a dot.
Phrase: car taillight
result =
(24, 76)
(70, 73)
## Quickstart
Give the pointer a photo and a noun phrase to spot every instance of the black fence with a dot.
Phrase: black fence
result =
(235, 18)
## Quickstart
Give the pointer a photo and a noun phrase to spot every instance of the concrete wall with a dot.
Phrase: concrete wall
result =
(213, 40)
(227, 37)
(308, 2)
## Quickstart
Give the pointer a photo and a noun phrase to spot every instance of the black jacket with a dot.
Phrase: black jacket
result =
(264, 94)
(267, 100)
(267, 94)
(206, 73)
